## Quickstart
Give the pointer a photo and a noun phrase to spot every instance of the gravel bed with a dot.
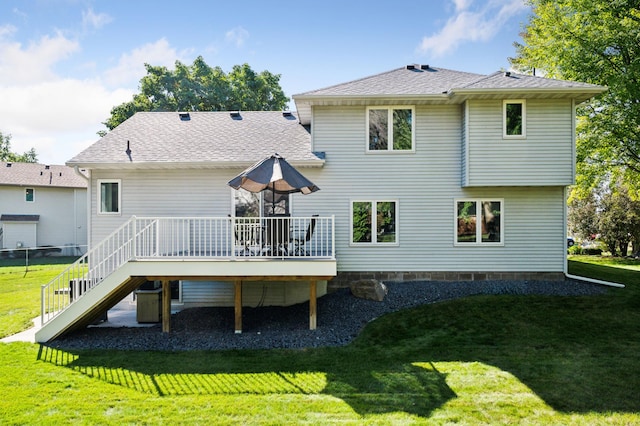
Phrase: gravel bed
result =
(341, 316)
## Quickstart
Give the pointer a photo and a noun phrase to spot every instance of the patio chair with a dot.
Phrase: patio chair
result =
(278, 232)
(300, 239)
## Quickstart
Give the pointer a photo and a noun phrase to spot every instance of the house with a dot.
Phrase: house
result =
(425, 173)
(42, 206)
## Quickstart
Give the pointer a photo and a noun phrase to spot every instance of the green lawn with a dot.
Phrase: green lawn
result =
(20, 290)
(479, 360)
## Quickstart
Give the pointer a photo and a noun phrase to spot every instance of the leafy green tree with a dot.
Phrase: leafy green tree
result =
(8, 156)
(595, 41)
(199, 87)
(619, 220)
(609, 212)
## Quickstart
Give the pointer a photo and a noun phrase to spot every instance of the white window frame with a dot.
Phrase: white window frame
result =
(33, 191)
(524, 118)
(478, 242)
(390, 110)
(261, 203)
(99, 197)
(374, 222)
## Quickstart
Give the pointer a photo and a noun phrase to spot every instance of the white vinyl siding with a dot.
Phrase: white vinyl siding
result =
(543, 158)
(184, 193)
(254, 293)
(426, 185)
(62, 211)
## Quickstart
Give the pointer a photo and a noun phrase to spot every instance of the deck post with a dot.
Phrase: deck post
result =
(166, 306)
(312, 304)
(237, 284)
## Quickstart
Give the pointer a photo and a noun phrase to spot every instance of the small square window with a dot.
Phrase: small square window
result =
(29, 195)
(109, 196)
(514, 119)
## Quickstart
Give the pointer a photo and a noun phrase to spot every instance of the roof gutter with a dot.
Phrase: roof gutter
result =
(79, 173)
(319, 163)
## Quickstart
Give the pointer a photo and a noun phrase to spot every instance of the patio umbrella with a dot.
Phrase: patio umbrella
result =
(273, 173)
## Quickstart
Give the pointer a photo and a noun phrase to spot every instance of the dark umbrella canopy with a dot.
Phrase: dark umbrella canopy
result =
(273, 173)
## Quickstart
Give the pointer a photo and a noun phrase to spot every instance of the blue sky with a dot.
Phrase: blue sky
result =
(65, 63)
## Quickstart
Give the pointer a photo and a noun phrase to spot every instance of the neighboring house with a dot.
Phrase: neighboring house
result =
(425, 173)
(42, 205)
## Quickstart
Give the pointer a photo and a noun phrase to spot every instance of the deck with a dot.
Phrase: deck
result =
(196, 248)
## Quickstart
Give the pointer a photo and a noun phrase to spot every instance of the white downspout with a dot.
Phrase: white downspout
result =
(593, 281)
(566, 262)
(88, 230)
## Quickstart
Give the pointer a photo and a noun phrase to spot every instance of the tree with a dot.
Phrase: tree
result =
(8, 156)
(609, 212)
(199, 87)
(594, 41)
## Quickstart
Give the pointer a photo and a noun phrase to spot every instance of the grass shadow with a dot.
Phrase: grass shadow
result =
(369, 385)
(578, 354)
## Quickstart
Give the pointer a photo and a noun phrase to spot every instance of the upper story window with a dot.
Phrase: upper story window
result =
(514, 119)
(374, 222)
(390, 129)
(479, 222)
(109, 195)
(29, 195)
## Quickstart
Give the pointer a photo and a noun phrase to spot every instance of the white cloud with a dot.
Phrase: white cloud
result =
(53, 116)
(92, 20)
(237, 36)
(469, 24)
(462, 4)
(6, 30)
(130, 68)
(23, 65)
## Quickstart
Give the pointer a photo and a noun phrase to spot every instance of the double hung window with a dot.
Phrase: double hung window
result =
(374, 222)
(390, 129)
(479, 222)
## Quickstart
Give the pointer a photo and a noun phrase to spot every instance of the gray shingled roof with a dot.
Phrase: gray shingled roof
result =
(510, 80)
(205, 139)
(437, 81)
(401, 81)
(38, 175)
(417, 85)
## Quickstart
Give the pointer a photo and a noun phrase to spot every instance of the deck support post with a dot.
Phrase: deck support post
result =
(312, 304)
(166, 306)
(237, 284)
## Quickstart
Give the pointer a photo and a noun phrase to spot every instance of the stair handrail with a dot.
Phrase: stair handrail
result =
(81, 276)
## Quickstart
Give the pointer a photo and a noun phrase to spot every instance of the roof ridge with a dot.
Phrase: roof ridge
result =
(484, 77)
(349, 82)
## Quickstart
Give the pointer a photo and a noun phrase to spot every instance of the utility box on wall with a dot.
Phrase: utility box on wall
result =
(149, 305)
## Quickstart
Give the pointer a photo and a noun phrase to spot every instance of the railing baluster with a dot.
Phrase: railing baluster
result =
(217, 237)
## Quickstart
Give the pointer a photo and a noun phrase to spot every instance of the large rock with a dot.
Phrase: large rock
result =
(369, 289)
